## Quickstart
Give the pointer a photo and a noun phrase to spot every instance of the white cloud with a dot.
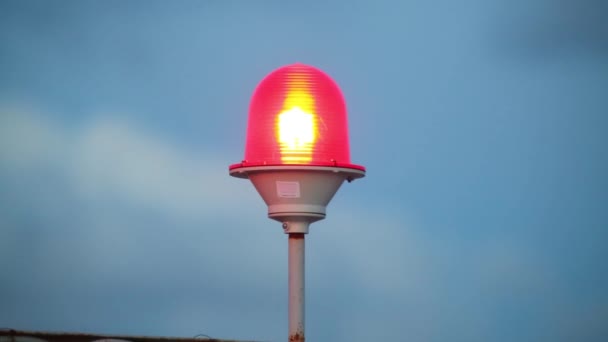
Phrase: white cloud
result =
(28, 140)
(111, 159)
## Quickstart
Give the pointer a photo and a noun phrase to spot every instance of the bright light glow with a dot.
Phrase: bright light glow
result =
(296, 135)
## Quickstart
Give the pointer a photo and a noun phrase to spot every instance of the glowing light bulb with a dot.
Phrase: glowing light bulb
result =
(296, 130)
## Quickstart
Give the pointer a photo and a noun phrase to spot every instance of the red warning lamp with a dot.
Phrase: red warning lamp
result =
(297, 116)
(297, 156)
(297, 153)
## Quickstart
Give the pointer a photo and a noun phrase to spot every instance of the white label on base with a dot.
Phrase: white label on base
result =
(288, 189)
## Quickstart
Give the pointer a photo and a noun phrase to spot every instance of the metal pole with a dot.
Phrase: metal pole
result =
(296, 287)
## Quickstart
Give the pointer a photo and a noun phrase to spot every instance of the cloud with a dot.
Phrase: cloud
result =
(28, 140)
(547, 29)
(111, 159)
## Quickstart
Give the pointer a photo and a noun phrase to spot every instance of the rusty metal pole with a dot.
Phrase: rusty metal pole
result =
(296, 287)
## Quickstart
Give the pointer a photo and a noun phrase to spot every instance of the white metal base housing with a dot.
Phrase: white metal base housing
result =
(297, 195)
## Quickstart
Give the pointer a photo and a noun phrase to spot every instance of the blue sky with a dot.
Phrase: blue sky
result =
(482, 124)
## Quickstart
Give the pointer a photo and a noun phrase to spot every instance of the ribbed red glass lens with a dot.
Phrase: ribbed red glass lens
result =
(297, 116)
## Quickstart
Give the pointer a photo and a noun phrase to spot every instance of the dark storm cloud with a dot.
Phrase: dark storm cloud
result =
(550, 29)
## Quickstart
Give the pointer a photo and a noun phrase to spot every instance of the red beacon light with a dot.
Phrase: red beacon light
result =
(297, 157)
(297, 153)
(297, 117)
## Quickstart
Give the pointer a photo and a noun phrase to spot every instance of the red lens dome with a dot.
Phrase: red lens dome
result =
(297, 116)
